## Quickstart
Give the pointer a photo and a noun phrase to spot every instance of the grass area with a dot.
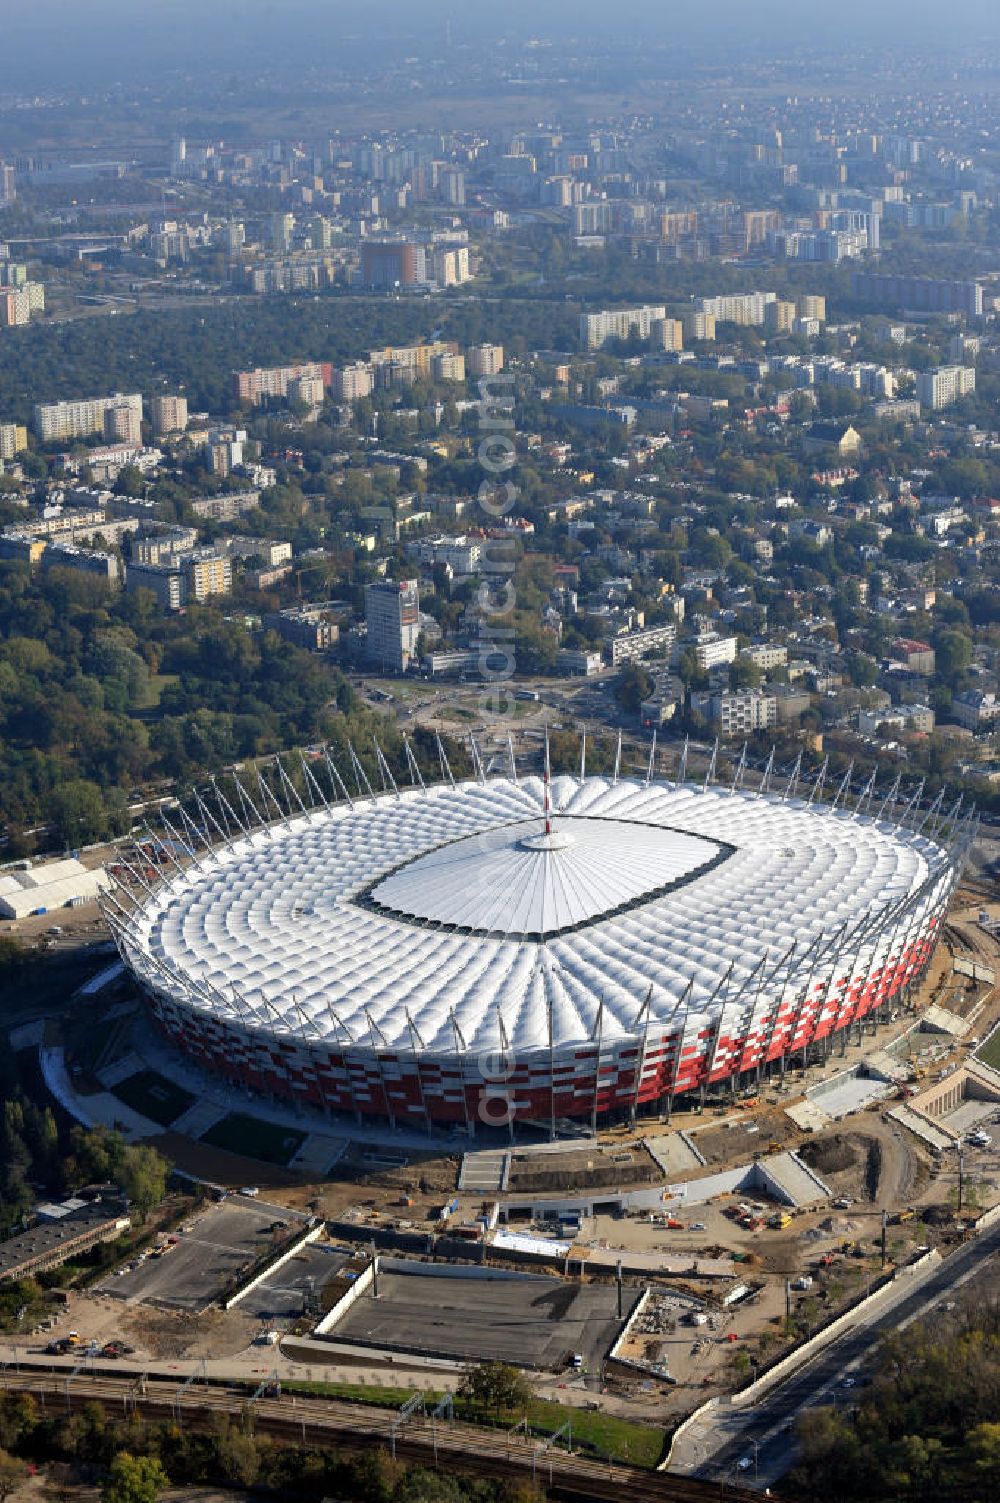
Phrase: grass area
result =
(455, 712)
(154, 1096)
(154, 690)
(989, 1050)
(266, 1141)
(603, 1434)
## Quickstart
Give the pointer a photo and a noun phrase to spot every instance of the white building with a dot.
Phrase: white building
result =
(117, 417)
(56, 884)
(947, 384)
(619, 323)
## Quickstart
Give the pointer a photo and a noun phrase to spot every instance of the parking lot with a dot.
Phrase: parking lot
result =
(529, 1321)
(294, 1288)
(211, 1248)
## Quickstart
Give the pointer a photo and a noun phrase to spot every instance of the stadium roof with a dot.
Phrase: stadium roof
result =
(405, 919)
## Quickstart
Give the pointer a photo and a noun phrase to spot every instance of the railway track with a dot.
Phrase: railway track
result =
(297, 1419)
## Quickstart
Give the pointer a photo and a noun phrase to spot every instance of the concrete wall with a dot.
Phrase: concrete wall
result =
(282, 1258)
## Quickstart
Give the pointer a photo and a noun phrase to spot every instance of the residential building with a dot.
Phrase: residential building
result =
(945, 385)
(307, 626)
(484, 359)
(351, 383)
(698, 326)
(392, 263)
(922, 294)
(206, 574)
(667, 334)
(746, 308)
(168, 414)
(392, 615)
(632, 646)
(737, 712)
(105, 566)
(13, 440)
(712, 650)
(766, 655)
(165, 580)
(117, 418)
(226, 507)
(976, 709)
(258, 385)
(918, 657)
(619, 323)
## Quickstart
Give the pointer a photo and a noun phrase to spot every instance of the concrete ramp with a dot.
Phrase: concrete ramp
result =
(921, 1127)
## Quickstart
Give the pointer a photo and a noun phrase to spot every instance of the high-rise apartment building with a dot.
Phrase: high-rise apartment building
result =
(947, 384)
(925, 294)
(619, 323)
(168, 415)
(13, 440)
(698, 325)
(484, 359)
(351, 383)
(746, 308)
(388, 263)
(117, 417)
(667, 334)
(273, 381)
(392, 615)
(8, 180)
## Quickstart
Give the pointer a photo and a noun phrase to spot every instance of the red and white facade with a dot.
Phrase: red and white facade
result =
(456, 955)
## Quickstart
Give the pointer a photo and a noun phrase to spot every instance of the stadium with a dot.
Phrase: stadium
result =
(510, 949)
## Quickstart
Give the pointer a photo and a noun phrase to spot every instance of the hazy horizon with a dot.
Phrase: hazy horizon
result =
(60, 41)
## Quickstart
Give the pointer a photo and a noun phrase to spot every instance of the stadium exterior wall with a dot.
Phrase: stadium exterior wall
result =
(582, 1082)
(804, 1001)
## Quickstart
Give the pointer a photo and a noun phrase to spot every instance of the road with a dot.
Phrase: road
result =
(763, 1431)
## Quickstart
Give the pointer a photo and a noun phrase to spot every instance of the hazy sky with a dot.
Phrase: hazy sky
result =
(99, 39)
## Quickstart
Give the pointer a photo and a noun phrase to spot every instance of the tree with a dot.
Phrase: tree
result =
(134, 1479)
(495, 1386)
(77, 811)
(143, 1177)
(12, 1473)
(953, 654)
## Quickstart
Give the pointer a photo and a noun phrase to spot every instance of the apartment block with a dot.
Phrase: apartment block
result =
(13, 440)
(258, 385)
(948, 384)
(118, 418)
(168, 414)
(484, 359)
(619, 323)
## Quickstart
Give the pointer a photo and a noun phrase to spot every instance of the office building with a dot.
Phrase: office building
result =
(392, 615)
(168, 415)
(117, 418)
(948, 384)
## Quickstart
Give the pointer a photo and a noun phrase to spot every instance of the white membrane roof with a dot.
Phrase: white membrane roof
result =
(450, 906)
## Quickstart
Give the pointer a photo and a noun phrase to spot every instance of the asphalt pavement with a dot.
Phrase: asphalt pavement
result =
(764, 1434)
